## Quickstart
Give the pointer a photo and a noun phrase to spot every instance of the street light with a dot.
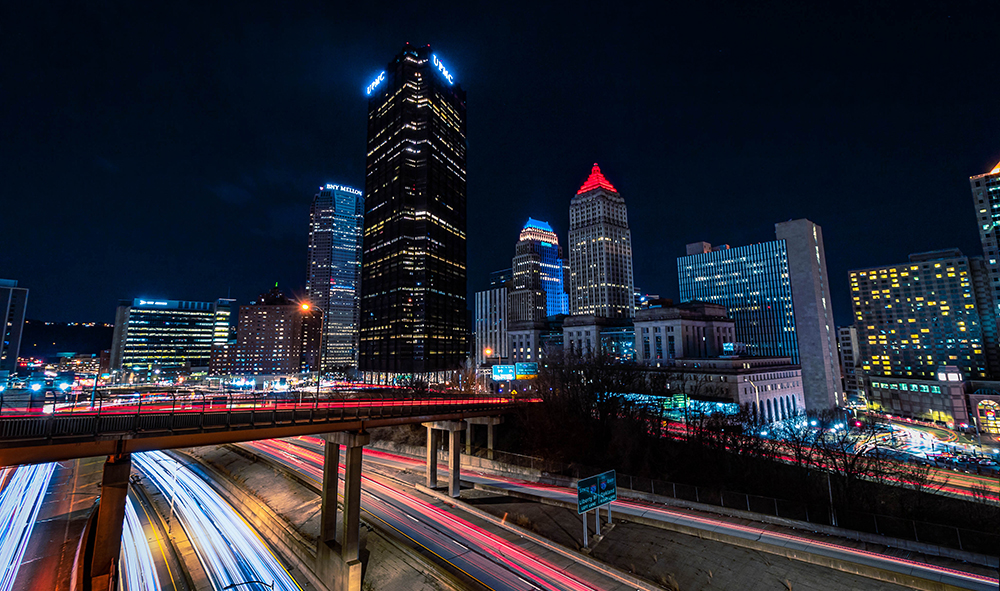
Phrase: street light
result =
(319, 350)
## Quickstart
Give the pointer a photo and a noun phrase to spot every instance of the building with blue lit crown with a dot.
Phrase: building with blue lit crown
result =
(413, 263)
(539, 271)
(335, 223)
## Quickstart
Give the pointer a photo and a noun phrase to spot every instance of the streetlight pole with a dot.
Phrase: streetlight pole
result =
(319, 350)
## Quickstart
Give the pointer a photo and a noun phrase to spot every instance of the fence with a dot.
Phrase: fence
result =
(884, 525)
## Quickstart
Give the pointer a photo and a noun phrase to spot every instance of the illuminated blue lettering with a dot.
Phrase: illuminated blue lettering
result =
(444, 71)
(376, 82)
(343, 188)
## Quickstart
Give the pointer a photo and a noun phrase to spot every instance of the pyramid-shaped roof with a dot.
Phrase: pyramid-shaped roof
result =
(596, 181)
(996, 169)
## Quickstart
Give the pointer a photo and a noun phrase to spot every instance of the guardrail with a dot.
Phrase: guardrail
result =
(894, 527)
(169, 413)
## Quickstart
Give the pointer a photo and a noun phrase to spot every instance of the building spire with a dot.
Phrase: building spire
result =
(595, 181)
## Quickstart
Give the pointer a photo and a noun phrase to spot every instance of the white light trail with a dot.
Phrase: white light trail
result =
(138, 571)
(20, 502)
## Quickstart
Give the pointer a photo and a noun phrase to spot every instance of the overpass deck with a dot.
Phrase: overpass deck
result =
(125, 425)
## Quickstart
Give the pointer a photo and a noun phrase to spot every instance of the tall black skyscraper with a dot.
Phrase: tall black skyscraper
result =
(413, 297)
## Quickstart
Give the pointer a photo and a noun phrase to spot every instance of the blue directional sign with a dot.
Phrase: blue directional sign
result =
(503, 373)
(596, 491)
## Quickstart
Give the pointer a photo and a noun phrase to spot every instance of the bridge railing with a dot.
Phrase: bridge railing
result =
(194, 410)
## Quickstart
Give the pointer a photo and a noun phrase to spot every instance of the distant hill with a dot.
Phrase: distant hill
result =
(46, 339)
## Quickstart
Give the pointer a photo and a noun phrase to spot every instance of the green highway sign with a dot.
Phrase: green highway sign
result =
(503, 372)
(526, 370)
(596, 491)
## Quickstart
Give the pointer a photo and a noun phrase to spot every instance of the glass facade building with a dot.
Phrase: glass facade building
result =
(539, 270)
(413, 272)
(914, 317)
(13, 305)
(166, 334)
(335, 229)
(753, 283)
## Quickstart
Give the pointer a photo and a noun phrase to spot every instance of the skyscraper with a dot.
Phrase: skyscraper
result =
(600, 251)
(335, 222)
(539, 270)
(917, 316)
(13, 304)
(986, 198)
(756, 283)
(413, 272)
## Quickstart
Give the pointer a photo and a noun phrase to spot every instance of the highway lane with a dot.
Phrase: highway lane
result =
(20, 501)
(488, 559)
(228, 548)
(138, 571)
(661, 513)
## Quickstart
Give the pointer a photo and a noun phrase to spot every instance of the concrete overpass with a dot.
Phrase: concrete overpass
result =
(118, 427)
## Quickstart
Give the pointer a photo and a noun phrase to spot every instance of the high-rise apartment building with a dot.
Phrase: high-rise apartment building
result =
(413, 272)
(538, 274)
(917, 316)
(335, 223)
(756, 284)
(276, 336)
(170, 335)
(13, 305)
(986, 198)
(600, 251)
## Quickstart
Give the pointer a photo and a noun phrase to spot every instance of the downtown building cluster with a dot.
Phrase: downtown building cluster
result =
(925, 338)
(736, 337)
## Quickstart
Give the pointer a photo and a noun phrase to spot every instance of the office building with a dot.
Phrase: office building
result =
(413, 271)
(501, 278)
(917, 316)
(853, 378)
(666, 332)
(335, 223)
(538, 273)
(276, 336)
(600, 251)
(492, 346)
(171, 336)
(938, 396)
(756, 283)
(13, 305)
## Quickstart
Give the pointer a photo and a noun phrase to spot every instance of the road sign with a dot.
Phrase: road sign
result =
(526, 370)
(503, 372)
(596, 491)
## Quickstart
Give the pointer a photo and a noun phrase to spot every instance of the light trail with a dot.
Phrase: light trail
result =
(661, 513)
(231, 552)
(20, 502)
(138, 572)
(396, 508)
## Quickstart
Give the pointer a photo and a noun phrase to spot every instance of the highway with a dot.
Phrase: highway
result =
(20, 500)
(665, 514)
(230, 551)
(490, 560)
(138, 572)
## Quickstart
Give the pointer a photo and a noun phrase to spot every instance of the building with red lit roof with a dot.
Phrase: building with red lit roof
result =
(600, 251)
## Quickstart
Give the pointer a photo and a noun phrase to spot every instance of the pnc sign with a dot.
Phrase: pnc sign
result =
(376, 82)
(444, 70)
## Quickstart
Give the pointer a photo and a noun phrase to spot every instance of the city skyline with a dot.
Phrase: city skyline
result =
(848, 168)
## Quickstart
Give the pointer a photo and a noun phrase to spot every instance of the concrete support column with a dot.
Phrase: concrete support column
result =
(329, 492)
(468, 439)
(433, 443)
(454, 463)
(454, 429)
(110, 517)
(491, 423)
(348, 550)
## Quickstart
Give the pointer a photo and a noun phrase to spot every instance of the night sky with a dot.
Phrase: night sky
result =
(172, 149)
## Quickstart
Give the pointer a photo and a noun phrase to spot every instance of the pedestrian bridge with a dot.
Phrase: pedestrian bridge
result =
(167, 420)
